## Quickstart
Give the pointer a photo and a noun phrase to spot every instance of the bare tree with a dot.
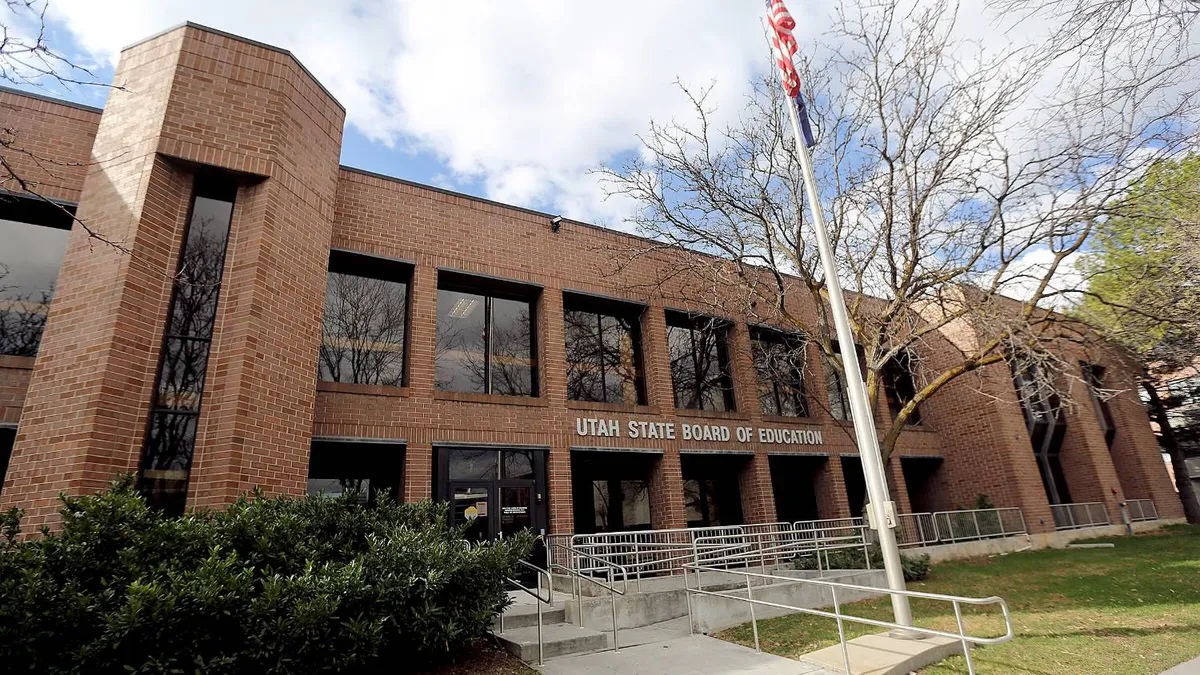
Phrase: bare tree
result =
(27, 59)
(363, 335)
(951, 181)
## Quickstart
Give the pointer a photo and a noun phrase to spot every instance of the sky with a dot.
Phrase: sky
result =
(514, 101)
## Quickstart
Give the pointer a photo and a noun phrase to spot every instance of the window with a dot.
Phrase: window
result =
(604, 361)
(1093, 377)
(621, 505)
(779, 362)
(35, 241)
(8, 437)
(171, 439)
(1043, 420)
(372, 470)
(366, 314)
(900, 387)
(699, 355)
(485, 336)
(836, 387)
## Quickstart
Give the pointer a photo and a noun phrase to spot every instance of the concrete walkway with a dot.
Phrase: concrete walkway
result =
(1189, 668)
(691, 655)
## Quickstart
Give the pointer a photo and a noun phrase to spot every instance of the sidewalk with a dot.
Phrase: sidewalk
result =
(692, 655)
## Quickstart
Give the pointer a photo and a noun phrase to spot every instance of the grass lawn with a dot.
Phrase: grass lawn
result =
(1130, 609)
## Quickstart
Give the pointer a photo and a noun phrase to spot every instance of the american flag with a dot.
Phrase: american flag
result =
(783, 44)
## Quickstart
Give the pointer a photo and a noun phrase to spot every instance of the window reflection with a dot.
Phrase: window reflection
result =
(366, 311)
(170, 443)
(29, 260)
(779, 364)
(603, 360)
(484, 344)
(699, 363)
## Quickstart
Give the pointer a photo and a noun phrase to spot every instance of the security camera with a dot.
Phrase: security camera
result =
(555, 223)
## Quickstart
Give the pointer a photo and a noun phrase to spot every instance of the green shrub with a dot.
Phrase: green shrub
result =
(915, 568)
(266, 586)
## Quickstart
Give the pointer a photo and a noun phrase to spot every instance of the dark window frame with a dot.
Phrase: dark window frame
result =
(600, 308)
(366, 265)
(698, 323)
(900, 386)
(795, 343)
(34, 212)
(221, 188)
(1093, 379)
(836, 384)
(490, 289)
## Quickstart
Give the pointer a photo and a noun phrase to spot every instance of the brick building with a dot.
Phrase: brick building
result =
(277, 320)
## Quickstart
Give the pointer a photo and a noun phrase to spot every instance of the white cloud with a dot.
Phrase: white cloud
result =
(525, 96)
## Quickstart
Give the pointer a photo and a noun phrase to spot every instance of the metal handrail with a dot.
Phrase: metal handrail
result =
(577, 577)
(841, 617)
(765, 547)
(538, 572)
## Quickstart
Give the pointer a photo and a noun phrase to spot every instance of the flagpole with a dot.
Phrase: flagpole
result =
(861, 413)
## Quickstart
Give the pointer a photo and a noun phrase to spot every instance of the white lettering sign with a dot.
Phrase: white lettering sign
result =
(706, 433)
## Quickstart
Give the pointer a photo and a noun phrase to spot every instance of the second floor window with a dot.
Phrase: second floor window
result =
(366, 315)
(900, 386)
(779, 364)
(699, 351)
(485, 336)
(35, 242)
(603, 351)
(1093, 376)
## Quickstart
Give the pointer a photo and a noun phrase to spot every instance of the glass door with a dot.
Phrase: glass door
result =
(472, 505)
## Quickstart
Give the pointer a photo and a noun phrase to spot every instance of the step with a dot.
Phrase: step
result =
(523, 616)
(558, 639)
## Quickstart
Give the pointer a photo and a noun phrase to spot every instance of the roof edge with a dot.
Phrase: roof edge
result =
(52, 99)
(239, 38)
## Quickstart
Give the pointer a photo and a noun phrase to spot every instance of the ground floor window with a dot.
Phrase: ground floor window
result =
(611, 490)
(493, 492)
(8, 437)
(794, 483)
(856, 485)
(920, 479)
(373, 470)
(711, 492)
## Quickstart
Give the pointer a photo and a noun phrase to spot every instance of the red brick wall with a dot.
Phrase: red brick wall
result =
(199, 98)
(48, 144)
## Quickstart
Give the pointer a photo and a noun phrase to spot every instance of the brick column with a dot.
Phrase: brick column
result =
(754, 481)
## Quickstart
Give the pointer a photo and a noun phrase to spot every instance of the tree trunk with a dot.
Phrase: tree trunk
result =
(1187, 494)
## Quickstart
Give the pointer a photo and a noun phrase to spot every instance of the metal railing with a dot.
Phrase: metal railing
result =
(577, 560)
(972, 524)
(916, 529)
(1079, 515)
(648, 553)
(838, 614)
(766, 549)
(537, 594)
(1141, 509)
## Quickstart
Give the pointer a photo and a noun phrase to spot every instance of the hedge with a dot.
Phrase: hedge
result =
(268, 585)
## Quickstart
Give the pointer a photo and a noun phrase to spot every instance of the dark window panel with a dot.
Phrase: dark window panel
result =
(372, 470)
(485, 344)
(461, 352)
(516, 464)
(171, 439)
(363, 332)
(466, 464)
(699, 355)
(511, 346)
(1093, 376)
(29, 261)
(900, 387)
(181, 380)
(779, 364)
(603, 360)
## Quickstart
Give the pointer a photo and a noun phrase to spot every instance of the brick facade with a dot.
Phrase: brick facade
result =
(197, 101)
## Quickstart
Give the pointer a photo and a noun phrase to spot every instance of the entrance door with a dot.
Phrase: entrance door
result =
(495, 492)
